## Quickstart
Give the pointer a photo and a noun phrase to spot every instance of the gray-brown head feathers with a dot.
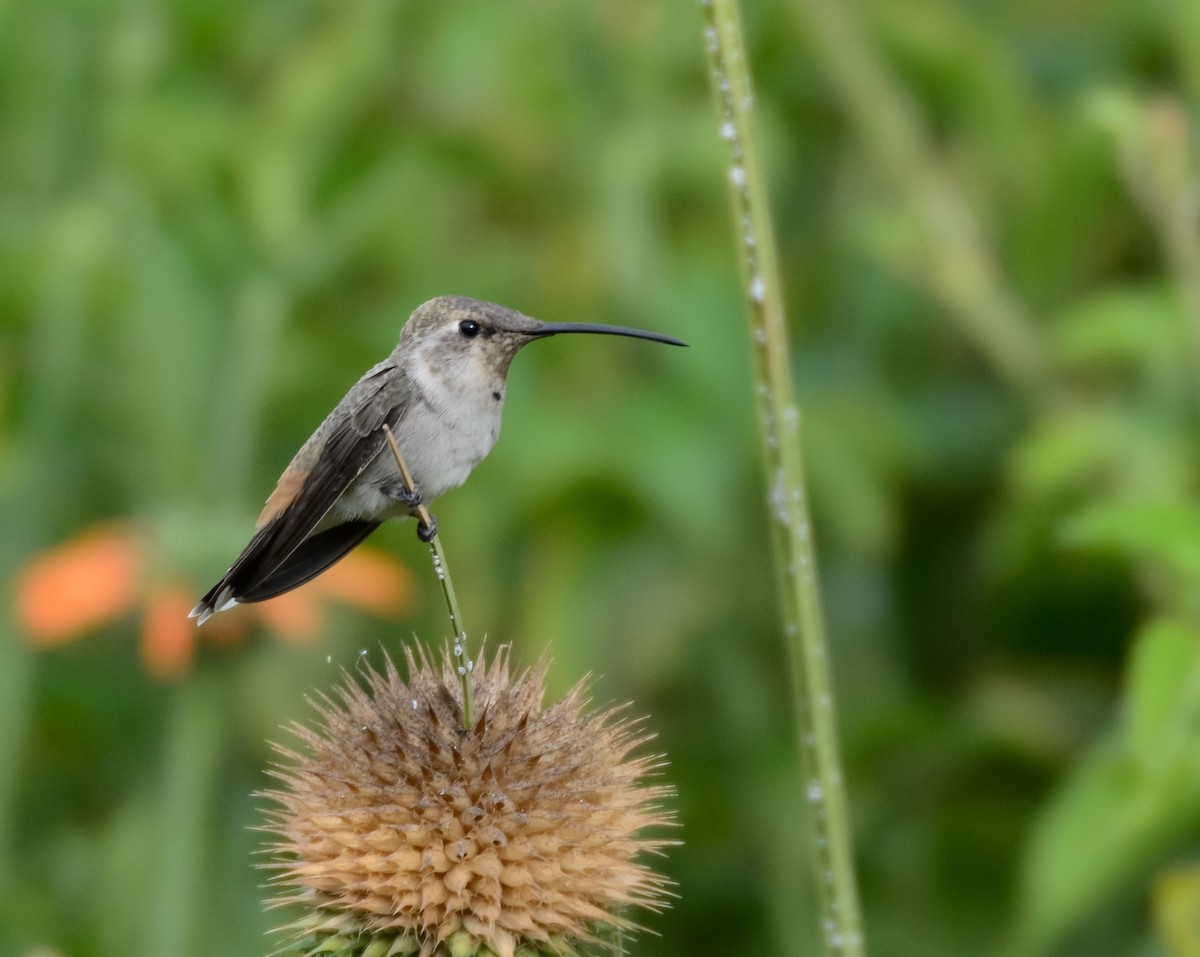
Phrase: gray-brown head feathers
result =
(467, 338)
(447, 312)
(453, 321)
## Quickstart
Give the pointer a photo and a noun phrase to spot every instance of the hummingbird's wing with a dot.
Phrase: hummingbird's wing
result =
(282, 555)
(315, 554)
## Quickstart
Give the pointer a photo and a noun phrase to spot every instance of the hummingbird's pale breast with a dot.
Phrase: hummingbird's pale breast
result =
(451, 423)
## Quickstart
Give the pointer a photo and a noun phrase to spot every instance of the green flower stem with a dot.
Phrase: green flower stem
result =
(1162, 177)
(1152, 138)
(795, 557)
(1185, 38)
(192, 749)
(958, 265)
(442, 569)
(59, 357)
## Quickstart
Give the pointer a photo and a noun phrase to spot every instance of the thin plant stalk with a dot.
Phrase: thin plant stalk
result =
(1156, 153)
(442, 569)
(795, 556)
(59, 357)
(193, 750)
(958, 264)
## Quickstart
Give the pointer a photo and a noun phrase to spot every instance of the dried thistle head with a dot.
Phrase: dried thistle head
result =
(401, 833)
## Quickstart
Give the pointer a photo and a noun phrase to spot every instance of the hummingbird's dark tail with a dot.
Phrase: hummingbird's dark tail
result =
(249, 582)
(308, 561)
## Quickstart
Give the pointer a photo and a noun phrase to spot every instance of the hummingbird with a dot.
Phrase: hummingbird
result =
(440, 392)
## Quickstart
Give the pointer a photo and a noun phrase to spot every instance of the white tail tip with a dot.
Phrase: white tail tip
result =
(204, 610)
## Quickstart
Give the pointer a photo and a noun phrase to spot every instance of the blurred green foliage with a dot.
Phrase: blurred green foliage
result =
(214, 217)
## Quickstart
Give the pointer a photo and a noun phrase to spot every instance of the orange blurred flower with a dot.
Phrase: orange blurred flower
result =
(108, 571)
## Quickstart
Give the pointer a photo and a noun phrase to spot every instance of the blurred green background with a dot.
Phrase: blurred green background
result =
(215, 216)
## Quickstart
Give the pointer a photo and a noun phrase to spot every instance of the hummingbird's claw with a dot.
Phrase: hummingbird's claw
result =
(410, 497)
(427, 533)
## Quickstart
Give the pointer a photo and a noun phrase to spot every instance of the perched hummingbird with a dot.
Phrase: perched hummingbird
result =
(440, 391)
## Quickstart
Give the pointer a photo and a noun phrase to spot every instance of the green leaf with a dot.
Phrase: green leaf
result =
(1140, 326)
(1131, 797)
(1062, 451)
(1164, 694)
(1165, 534)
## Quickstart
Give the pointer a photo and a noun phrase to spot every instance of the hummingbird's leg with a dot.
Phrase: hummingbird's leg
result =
(398, 491)
(426, 533)
(410, 497)
(408, 493)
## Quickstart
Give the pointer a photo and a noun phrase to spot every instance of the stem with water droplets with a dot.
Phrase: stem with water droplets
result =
(795, 557)
(462, 661)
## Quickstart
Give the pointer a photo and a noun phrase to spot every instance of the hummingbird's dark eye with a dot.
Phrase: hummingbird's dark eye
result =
(469, 328)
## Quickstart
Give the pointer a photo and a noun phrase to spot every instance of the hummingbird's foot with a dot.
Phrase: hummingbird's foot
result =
(410, 497)
(427, 533)
(397, 491)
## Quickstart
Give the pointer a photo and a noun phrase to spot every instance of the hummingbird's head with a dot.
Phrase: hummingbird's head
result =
(462, 336)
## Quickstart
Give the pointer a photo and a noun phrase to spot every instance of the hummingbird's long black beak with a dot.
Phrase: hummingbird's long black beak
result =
(560, 328)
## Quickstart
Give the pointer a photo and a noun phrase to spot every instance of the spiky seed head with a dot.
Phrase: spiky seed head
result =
(401, 833)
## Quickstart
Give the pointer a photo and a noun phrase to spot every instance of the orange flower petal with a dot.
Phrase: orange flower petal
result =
(75, 587)
(369, 579)
(168, 637)
(296, 616)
